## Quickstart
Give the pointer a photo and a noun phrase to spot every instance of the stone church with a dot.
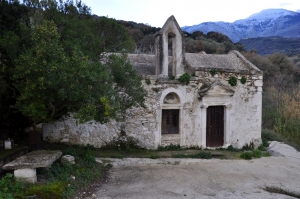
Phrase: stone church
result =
(220, 106)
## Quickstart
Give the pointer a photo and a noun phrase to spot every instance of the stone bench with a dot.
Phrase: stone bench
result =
(25, 166)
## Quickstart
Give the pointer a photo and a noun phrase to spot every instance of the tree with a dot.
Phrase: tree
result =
(14, 35)
(52, 83)
(50, 64)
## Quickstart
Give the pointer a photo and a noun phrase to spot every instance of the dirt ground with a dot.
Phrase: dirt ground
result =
(193, 178)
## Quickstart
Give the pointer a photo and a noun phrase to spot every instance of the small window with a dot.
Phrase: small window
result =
(170, 121)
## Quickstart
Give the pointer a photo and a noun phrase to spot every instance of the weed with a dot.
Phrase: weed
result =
(261, 147)
(256, 154)
(232, 81)
(266, 154)
(248, 147)
(171, 147)
(185, 78)
(148, 81)
(153, 156)
(201, 155)
(265, 142)
(243, 80)
(172, 77)
(246, 155)
(9, 185)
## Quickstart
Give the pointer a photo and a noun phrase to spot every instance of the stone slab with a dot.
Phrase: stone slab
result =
(35, 159)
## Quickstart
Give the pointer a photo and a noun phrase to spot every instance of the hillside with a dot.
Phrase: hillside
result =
(270, 45)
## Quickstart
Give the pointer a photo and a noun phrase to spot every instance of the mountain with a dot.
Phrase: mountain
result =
(270, 22)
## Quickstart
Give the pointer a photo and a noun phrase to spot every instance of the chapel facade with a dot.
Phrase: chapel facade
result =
(210, 111)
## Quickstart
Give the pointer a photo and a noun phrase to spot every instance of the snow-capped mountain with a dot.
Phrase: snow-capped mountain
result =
(270, 22)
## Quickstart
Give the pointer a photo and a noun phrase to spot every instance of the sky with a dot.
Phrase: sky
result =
(186, 12)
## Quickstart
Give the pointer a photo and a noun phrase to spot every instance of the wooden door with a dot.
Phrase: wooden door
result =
(215, 126)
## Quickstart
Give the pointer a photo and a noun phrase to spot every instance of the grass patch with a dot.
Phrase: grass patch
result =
(171, 147)
(154, 157)
(282, 191)
(201, 155)
(256, 153)
(246, 155)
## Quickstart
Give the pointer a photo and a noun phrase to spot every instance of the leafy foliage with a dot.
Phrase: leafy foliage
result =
(243, 80)
(185, 77)
(8, 186)
(246, 155)
(232, 81)
(50, 63)
(210, 43)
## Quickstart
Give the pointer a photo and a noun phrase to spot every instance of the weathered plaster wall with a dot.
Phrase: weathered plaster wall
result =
(242, 115)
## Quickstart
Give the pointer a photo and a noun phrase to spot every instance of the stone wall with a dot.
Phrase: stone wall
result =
(242, 115)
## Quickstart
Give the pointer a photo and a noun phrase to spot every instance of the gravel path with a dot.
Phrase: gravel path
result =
(190, 178)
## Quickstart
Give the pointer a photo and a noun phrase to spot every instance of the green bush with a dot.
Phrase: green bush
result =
(246, 155)
(9, 187)
(256, 154)
(243, 80)
(232, 81)
(148, 81)
(172, 77)
(185, 78)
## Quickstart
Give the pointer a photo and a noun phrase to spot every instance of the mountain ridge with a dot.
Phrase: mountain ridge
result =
(270, 22)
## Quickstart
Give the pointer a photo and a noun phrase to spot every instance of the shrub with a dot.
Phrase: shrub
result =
(172, 77)
(8, 186)
(213, 72)
(185, 78)
(246, 155)
(256, 154)
(148, 81)
(232, 81)
(243, 80)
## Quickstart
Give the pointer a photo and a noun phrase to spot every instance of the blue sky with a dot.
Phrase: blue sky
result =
(187, 12)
